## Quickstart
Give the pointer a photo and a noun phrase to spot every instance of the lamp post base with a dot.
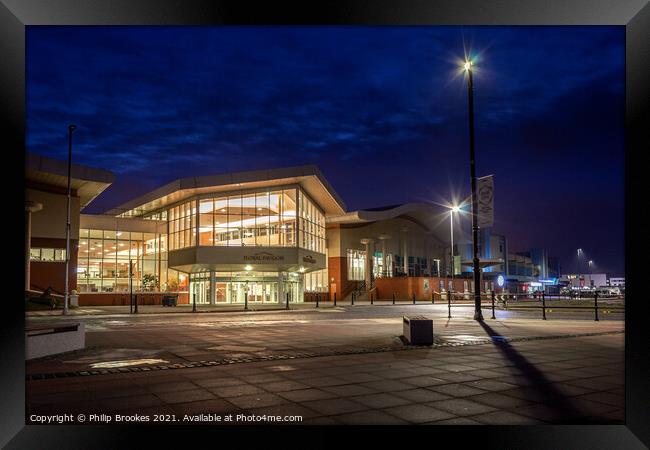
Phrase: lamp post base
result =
(478, 315)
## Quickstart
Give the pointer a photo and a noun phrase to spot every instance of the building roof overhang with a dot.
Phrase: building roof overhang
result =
(87, 182)
(308, 177)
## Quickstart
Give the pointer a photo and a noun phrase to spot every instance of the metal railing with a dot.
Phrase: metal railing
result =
(539, 301)
(505, 301)
(489, 300)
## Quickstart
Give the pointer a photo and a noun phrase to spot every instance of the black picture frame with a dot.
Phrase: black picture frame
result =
(633, 14)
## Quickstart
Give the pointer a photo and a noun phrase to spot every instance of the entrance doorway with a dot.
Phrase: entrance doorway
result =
(262, 290)
(200, 286)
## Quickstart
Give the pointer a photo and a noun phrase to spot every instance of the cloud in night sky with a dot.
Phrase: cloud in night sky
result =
(381, 110)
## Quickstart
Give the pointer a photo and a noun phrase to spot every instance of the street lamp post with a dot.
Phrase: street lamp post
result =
(66, 297)
(579, 268)
(478, 315)
(130, 286)
(451, 227)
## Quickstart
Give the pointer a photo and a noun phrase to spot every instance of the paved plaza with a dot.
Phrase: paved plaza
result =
(344, 365)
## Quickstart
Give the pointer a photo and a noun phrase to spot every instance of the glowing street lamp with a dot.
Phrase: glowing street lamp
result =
(478, 315)
(579, 252)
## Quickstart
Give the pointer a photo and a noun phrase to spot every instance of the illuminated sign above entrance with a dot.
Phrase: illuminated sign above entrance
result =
(309, 259)
(264, 257)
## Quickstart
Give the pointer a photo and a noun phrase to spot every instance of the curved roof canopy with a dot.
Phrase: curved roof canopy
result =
(434, 219)
(419, 211)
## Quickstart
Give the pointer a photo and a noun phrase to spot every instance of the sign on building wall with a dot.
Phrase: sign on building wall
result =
(485, 194)
(426, 285)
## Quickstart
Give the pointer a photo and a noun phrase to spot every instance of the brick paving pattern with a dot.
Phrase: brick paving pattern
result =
(563, 378)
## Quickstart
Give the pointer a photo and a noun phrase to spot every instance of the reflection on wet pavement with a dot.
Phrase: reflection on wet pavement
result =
(116, 354)
(126, 363)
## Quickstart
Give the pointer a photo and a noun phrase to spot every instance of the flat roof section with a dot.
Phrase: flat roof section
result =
(88, 182)
(308, 177)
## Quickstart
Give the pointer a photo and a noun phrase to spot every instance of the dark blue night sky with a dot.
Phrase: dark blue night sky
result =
(381, 110)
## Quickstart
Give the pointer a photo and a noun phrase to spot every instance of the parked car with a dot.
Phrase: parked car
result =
(608, 291)
(569, 292)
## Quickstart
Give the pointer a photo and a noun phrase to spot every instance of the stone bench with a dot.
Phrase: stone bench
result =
(51, 339)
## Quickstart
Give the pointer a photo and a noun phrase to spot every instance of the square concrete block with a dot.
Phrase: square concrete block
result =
(418, 330)
(56, 339)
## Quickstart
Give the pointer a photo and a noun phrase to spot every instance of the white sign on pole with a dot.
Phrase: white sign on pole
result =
(485, 196)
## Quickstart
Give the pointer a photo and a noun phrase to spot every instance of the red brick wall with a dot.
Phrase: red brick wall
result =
(405, 287)
(337, 268)
(122, 298)
(45, 274)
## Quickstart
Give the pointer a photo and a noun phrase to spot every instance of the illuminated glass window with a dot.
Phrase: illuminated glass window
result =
(105, 255)
(356, 264)
(258, 219)
(182, 225)
(312, 225)
(316, 281)
(47, 254)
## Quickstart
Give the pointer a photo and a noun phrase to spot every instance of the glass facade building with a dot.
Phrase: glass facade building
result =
(230, 242)
(257, 236)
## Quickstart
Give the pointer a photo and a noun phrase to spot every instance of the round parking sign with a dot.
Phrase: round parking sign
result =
(500, 280)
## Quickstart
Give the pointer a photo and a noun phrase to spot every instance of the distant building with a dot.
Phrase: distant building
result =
(554, 269)
(616, 281)
(525, 271)
(492, 247)
(586, 280)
